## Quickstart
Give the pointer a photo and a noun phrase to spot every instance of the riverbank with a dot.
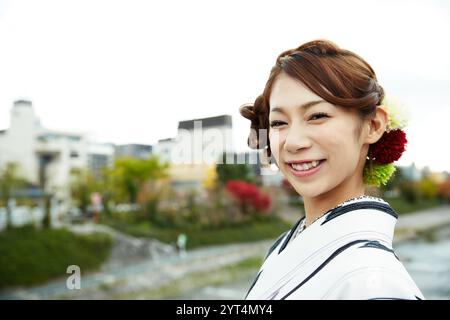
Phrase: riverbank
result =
(145, 279)
(414, 225)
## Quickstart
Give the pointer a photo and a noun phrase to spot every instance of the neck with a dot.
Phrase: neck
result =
(315, 207)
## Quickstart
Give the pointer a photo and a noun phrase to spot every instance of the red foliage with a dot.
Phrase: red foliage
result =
(390, 147)
(248, 193)
(262, 202)
(444, 189)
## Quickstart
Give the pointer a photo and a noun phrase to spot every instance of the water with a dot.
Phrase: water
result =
(428, 262)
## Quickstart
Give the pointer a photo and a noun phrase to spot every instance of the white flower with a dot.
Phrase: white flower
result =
(398, 114)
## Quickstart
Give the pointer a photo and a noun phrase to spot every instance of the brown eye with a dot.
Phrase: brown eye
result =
(319, 115)
(276, 123)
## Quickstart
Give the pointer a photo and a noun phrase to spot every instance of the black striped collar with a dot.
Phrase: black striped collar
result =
(364, 202)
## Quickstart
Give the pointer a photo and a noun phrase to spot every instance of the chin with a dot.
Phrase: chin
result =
(309, 193)
(307, 190)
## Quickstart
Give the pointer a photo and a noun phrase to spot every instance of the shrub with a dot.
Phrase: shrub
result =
(29, 256)
(248, 195)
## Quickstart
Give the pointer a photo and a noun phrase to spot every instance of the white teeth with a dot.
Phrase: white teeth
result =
(305, 166)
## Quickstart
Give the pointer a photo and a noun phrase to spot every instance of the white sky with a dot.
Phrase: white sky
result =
(128, 71)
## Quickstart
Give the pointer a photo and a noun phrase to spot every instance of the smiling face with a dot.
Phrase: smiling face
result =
(303, 126)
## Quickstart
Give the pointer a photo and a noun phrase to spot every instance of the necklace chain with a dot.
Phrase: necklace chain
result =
(303, 224)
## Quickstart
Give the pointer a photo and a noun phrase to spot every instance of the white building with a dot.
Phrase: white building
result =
(47, 157)
(164, 149)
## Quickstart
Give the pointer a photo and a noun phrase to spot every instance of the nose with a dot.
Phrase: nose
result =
(296, 139)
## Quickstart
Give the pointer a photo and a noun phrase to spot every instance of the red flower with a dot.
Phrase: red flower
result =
(241, 190)
(390, 147)
(262, 202)
(248, 193)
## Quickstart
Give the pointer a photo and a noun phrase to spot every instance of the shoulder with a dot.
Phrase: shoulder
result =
(373, 274)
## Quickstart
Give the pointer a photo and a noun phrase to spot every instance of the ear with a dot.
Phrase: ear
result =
(377, 125)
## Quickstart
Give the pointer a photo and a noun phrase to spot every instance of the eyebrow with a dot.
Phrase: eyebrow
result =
(305, 106)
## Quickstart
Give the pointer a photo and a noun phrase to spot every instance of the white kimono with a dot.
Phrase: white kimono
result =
(345, 254)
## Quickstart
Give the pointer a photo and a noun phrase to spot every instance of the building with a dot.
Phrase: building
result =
(47, 157)
(199, 141)
(411, 172)
(198, 145)
(164, 149)
(100, 155)
(137, 151)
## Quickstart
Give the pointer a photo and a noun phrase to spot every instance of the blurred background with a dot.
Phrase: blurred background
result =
(116, 118)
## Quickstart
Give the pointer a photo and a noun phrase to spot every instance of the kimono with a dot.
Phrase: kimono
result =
(345, 254)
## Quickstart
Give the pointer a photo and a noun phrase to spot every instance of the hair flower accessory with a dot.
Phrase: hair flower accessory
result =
(390, 147)
(398, 113)
(378, 174)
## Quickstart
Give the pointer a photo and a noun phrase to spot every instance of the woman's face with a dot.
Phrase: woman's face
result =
(303, 126)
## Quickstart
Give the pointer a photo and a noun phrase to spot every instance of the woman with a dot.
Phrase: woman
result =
(331, 134)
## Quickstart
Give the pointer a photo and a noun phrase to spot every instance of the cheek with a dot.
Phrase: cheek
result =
(328, 140)
(340, 145)
(339, 137)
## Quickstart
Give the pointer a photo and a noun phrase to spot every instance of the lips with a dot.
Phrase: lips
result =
(305, 173)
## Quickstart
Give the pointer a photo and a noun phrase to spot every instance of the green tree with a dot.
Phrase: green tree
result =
(226, 171)
(10, 182)
(129, 175)
(428, 189)
(82, 185)
(396, 182)
(410, 191)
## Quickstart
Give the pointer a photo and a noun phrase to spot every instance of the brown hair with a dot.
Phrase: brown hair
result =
(339, 76)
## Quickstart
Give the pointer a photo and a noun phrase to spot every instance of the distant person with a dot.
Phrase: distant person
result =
(97, 207)
(331, 133)
(181, 244)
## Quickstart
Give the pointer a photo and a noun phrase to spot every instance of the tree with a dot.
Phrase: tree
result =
(10, 182)
(82, 185)
(428, 188)
(226, 172)
(444, 190)
(396, 182)
(129, 175)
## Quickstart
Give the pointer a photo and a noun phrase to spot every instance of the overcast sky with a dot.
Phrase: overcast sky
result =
(128, 71)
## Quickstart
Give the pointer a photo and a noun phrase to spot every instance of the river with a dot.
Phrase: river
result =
(427, 259)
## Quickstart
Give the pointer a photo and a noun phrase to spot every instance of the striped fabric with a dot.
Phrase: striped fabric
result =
(345, 254)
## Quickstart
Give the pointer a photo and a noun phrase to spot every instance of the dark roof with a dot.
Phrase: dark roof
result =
(167, 139)
(224, 120)
(28, 102)
(134, 146)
